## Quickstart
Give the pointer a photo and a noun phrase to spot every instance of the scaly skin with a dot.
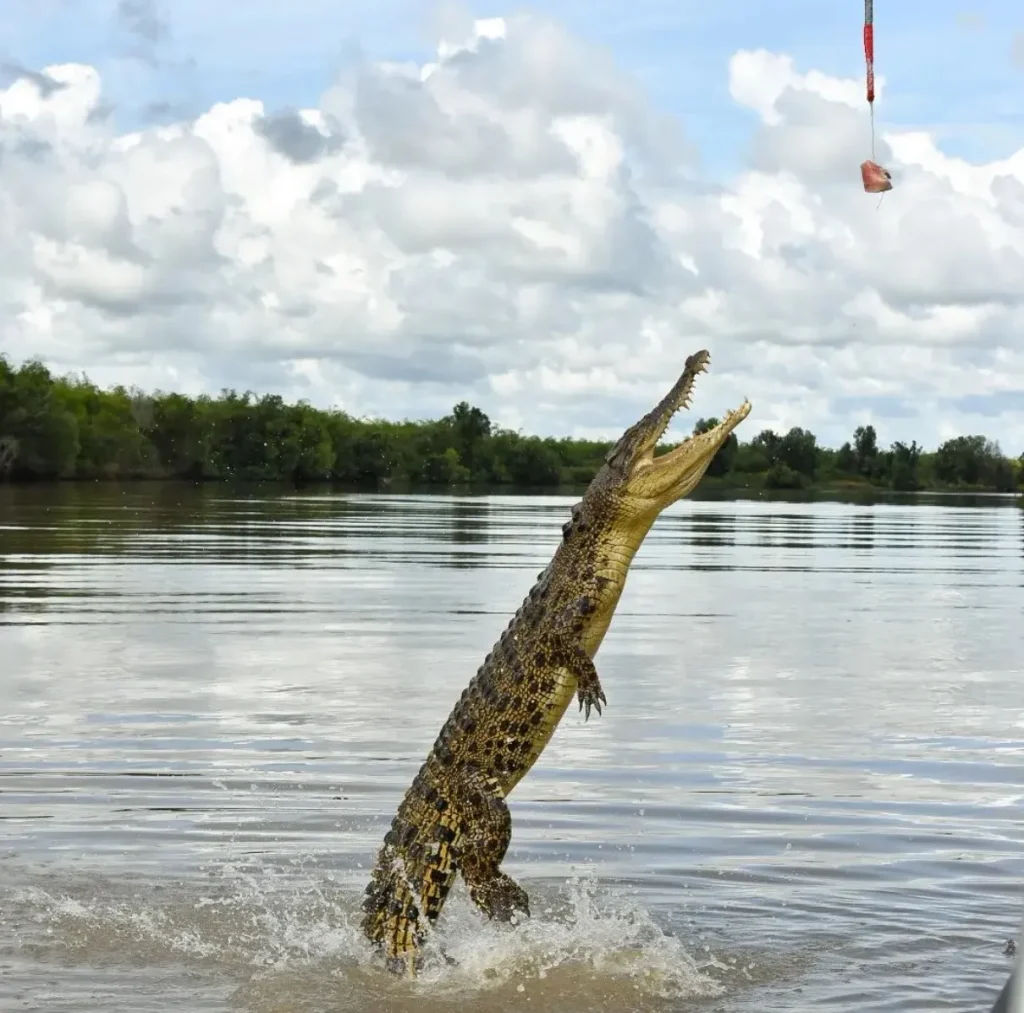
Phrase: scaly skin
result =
(454, 816)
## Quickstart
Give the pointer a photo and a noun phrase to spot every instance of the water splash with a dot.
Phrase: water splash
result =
(586, 928)
(277, 937)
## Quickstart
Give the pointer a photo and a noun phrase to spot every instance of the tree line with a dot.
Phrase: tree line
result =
(65, 427)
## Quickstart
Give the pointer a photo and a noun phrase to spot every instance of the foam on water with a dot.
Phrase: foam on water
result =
(585, 927)
(276, 937)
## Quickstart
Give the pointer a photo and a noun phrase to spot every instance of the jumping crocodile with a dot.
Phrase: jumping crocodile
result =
(454, 817)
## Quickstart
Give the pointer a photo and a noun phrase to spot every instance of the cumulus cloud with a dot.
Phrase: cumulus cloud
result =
(288, 132)
(513, 223)
(45, 84)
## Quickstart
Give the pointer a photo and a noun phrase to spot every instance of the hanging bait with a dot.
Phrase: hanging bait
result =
(876, 178)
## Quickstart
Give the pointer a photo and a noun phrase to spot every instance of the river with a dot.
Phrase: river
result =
(805, 793)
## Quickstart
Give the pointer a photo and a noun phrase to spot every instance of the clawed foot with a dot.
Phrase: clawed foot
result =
(590, 696)
(588, 685)
(408, 965)
(501, 897)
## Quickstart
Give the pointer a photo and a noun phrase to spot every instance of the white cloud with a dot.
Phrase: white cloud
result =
(760, 79)
(513, 223)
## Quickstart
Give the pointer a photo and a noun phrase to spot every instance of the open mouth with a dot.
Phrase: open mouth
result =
(700, 447)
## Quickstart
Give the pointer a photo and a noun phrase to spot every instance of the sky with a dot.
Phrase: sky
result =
(392, 206)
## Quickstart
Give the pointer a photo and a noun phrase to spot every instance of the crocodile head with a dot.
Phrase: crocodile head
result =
(643, 485)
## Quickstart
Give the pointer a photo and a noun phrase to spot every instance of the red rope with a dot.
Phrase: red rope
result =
(869, 46)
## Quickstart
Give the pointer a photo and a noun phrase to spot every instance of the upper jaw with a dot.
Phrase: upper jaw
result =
(675, 400)
(633, 455)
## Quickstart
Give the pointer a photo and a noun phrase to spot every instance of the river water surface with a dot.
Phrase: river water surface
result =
(805, 793)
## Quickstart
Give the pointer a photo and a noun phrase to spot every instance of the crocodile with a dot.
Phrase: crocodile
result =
(454, 817)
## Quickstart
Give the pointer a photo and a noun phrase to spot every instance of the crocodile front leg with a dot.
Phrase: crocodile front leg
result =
(487, 832)
(588, 685)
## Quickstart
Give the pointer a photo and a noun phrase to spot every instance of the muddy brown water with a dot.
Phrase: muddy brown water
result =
(805, 793)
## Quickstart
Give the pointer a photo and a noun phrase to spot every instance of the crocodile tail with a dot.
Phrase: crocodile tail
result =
(391, 918)
(409, 885)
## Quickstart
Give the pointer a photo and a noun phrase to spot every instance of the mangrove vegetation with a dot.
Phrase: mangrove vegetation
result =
(60, 427)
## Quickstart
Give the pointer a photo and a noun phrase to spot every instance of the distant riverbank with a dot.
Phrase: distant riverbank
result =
(67, 429)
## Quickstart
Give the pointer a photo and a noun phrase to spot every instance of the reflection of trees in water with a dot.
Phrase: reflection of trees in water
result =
(862, 530)
(786, 529)
(169, 520)
(8, 452)
(712, 529)
(468, 523)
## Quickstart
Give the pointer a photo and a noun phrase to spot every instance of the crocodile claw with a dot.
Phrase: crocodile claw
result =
(590, 699)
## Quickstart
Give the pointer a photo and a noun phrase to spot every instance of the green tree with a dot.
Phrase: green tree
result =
(973, 460)
(368, 455)
(67, 427)
(846, 460)
(445, 468)
(798, 451)
(111, 441)
(903, 473)
(471, 429)
(865, 450)
(179, 429)
(530, 462)
(782, 476)
(40, 435)
(768, 443)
